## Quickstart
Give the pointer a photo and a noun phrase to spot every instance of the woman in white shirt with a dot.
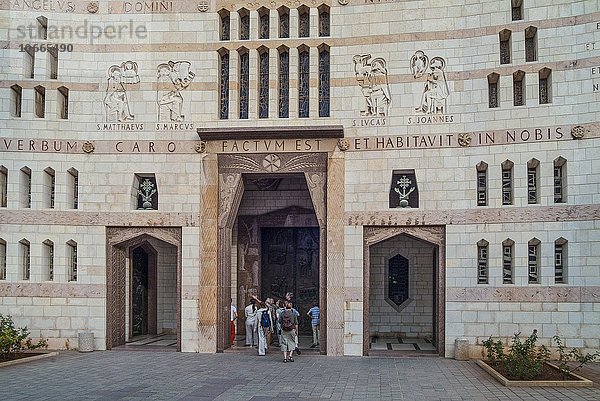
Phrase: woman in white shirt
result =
(251, 312)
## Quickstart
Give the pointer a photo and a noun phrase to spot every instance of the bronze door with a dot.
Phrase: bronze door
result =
(290, 263)
(139, 285)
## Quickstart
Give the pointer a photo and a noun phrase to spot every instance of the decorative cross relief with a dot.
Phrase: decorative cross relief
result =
(435, 90)
(172, 77)
(116, 103)
(403, 191)
(146, 191)
(372, 77)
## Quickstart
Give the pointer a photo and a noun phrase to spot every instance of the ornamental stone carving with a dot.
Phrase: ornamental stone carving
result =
(203, 6)
(88, 147)
(578, 132)
(116, 101)
(343, 144)
(200, 147)
(464, 139)
(435, 90)
(172, 78)
(92, 7)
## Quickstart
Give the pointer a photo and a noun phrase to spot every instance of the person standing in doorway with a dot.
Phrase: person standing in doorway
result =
(265, 328)
(289, 328)
(315, 314)
(251, 313)
(233, 318)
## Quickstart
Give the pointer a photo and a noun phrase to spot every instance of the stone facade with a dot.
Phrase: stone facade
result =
(491, 111)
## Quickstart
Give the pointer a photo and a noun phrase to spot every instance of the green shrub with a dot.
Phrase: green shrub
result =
(573, 355)
(14, 340)
(524, 360)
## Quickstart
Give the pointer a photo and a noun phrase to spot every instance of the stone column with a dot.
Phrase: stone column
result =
(335, 254)
(207, 312)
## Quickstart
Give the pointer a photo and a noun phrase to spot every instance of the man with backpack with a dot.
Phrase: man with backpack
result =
(265, 327)
(289, 330)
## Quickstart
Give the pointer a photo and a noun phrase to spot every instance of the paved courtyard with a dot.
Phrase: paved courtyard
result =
(147, 375)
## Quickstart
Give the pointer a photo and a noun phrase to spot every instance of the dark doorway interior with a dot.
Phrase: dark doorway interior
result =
(143, 294)
(290, 263)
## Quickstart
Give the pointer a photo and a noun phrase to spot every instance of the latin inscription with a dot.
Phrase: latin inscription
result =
(267, 145)
(44, 5)
(142, 126)
(150, 7)
(595, 73)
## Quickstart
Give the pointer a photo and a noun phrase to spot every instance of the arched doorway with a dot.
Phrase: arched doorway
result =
(143, 285)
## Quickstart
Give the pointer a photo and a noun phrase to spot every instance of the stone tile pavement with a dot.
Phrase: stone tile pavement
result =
(151, 375)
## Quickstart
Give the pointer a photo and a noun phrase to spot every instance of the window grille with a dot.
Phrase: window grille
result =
(284, 84)
(224, 85)
(507, 263)
(505, 46)
(2, 260)
(244, 83)
(531, 44)
(284, 24)
(244, 24)
(304, 23)
(482, 188)
(26, 259)
(482, 262)
(507, 185)
(17, 100)
(72, 260)
(560, 261)
(263, 91)
(518, 88)
(263, 30)
(225, 30)
(533, 261)
(533, 181)
(545, 86)
(49, 259)
(517, 10)
(324, 83)
(303, 84)
(40, 101)
(324, 23)
(560, 180)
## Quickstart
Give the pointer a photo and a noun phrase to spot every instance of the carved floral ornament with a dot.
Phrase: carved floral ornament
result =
(343, 144)
(200, 147)
(88, 147)
(578, 132)
(93, 7)
(464, 139)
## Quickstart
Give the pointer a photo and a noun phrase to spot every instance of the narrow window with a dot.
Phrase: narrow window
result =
(519, 88)
(517, 10)
(398, 280)
(507, 261)
(505, 46)
(72, 259)
(507, 182)
(284, 22)
(42, 26)
(63, 103)
(73, 189)
(3, 186)
(28, 62)
(225, 25)
(533, 168)
(40, 101)
(482, 262)
(263, 23)
(303, 82)
(49, 187)
(25, 188)
(25, 257)
(303, 22)
(223, 84)
(16, 100)
(284, 82)
(324, 24)
(2, 259)
(244, 75)
(263, 84)
(493, 82)
(560, 180)
(545, 83)
(53, 62)
(533, 261)
(531, 44)
(324, 104)
(244, 24)
(560, 261)
(146, 192)
(48, 258)
(482, 183)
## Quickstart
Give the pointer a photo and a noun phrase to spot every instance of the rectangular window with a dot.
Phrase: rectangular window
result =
(304, 23)
(25, 190)
(40, 101)
(3, 186)
(531, 44)
(324, 83)
(559, 183)
(519, 88)
(517, 10)
(507, 264)
(225, 25)
(25, 259)
(481, 188)
(303, 84)
(244, 24)
(263, 22)
(73, 189)
(53, 62)
(533, 263)
(284, 84)
(63, 103)
(29, 62)
(224, 85)
(49, 260)
(244, 83)
(507, 187)
(324, 24)
(493, 95)
(49, 187)
(2, 260)
(545, 85)
(263, 90)
(72, 260)
(532, 187)
(284, 24)
(17, 100)
(482, 264)
(560, 262)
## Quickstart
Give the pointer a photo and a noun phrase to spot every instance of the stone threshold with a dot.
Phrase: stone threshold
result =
(578, 381)
(38, 355)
